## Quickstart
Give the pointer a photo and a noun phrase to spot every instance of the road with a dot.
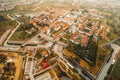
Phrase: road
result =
(58, 49)
(69, 22)
(8, 48)
(31, 69)
(81, 71)
(4, 36)
(12, 32)
(49, 38)
(33, 40)
(45, 76)
(104, 70)
(110, 42)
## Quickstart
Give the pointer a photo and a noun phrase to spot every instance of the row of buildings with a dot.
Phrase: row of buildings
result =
(81, 25)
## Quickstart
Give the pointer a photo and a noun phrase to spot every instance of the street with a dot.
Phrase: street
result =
(5, 43)
(58, 49)
(4, 36)
(104, 70)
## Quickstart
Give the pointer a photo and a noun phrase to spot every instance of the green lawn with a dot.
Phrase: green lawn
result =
(6, 24)
(21, 34)
(116, 72)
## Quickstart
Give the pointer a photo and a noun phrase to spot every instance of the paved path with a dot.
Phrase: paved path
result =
(106, 67)
(4, 36)
(5, 43)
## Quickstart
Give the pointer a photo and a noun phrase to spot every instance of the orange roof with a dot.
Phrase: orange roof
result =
(69, 18)
(83, 40)
(108, 29)
(44, 53)
(98, 32)
(32, 22)
(56, 24)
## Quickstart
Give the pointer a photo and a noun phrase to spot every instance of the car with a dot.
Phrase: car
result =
(109, 57)
(113, 61)
(87, 74)
(110, 69)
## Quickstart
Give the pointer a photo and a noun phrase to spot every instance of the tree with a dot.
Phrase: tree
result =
(3, 59)
(92, 51)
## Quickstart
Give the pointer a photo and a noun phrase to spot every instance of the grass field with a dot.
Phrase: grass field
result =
(21, 34)
(6, 24)
(116, 71)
